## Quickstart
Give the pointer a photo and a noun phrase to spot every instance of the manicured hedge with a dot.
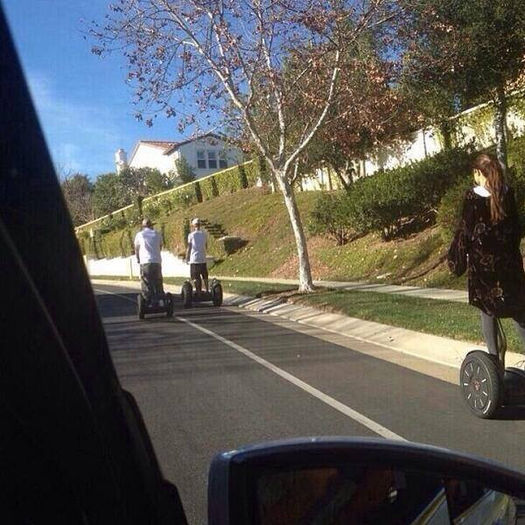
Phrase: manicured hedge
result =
(388, 200)
(227, 181)
(384, 200)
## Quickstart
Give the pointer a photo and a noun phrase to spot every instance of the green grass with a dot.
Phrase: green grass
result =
(444, 318)
(261, 219)
(249, 288)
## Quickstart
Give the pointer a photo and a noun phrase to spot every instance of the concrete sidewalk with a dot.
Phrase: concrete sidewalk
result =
(459, 296)
(442, 350)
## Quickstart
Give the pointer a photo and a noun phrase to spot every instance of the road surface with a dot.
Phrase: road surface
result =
(212, 379)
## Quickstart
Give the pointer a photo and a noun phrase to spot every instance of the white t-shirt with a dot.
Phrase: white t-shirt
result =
(149, 242)
(197, 239)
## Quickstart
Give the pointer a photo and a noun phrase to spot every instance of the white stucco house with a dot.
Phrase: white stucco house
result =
(206, 154)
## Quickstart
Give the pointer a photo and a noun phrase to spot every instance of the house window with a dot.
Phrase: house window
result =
(201, 160)
(223, 162)
(212, 160)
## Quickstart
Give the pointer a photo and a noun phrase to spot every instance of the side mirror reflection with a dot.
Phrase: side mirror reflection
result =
(361, 494)
(343, 481)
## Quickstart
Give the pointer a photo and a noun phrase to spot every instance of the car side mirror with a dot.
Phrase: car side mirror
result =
(347, 480)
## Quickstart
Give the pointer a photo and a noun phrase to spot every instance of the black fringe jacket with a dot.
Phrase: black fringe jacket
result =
(491, 253)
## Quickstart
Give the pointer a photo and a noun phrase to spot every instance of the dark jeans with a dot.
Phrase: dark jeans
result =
(489, 327)
(151, 280)
(198, 270)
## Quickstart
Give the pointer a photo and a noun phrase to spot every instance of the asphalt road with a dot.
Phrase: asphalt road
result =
(212, 379)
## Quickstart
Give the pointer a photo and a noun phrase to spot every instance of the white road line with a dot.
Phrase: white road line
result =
(117, 294)
(325, 398)
(337, 405)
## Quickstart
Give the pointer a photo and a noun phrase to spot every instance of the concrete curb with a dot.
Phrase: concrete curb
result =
(442, 350)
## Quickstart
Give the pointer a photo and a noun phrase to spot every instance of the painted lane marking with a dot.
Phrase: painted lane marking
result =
(116, 294)
(325, 398)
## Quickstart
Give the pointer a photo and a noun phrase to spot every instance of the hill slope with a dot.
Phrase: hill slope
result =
(261, 220)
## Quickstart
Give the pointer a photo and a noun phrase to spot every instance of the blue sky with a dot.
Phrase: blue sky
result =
(83, 102)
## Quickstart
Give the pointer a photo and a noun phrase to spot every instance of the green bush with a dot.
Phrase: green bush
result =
(449, 211)
(112, 222)
(516, 173)
(243, 179)
(184, 198)
(263, 171)
(214, 188)
(152, 209)
(330, 216)
(206, 189)
(252, 173)
(186, 230)
(166, 206)
(198, 192)
(83, 242)
(228, 181)
(386, 200)
(126, 243)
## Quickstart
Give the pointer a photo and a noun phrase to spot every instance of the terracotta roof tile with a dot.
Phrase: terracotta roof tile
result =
(159, 143)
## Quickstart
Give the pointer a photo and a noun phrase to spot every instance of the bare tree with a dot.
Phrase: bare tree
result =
(78, 192)
(219, 54)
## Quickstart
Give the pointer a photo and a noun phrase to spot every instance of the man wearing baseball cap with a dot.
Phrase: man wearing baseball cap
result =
(148, 244)
(196, 255)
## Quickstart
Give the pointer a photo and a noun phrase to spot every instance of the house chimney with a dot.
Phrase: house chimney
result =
(121, 160)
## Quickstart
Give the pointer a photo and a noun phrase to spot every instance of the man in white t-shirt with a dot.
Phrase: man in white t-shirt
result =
(148, 244)
(196, 255)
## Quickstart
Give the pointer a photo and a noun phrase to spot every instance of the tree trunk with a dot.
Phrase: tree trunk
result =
(500, 126)
(446, 131)
(424, 138)
(344, 183)
(305, 274)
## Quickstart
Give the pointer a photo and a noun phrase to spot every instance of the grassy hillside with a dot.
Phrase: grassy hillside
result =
(261, 219)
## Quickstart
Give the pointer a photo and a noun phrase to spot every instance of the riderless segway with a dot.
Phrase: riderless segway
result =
(157, 302)
(190, 295)
(486, 385)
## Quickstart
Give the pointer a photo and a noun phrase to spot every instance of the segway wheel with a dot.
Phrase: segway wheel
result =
(187, 292)
(140, 306)
(216, 294)
(481, 385)
(169, 304)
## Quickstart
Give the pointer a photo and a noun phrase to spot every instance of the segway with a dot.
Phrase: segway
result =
(486, 385)
(158, 302)
(190, 295)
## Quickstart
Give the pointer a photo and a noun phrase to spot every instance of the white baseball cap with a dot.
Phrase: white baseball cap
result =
(196, 221)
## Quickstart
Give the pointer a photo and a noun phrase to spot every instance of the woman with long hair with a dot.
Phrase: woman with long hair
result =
(487, 243)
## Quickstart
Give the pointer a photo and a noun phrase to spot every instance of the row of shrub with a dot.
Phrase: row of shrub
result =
(450, 206)
(392, 202)
(227, 181)
(390, 199)
(101, 243)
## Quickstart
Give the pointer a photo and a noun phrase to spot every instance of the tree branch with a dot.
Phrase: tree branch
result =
(305, 142)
